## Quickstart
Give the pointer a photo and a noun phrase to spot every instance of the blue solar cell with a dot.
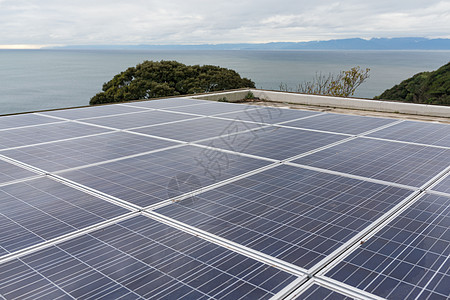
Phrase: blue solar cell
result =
(83, 151)
(145, 118)
(443, 186)
(407, 164)
(417, 132)
(198, 129)
(341, 123)
(407, 259)
(7, 122)
(274, 142)
(10, 172)
(45, 133)
(41, 209)
(297, 215)
(139, 258)
(316, 292)
(166, 103)
(92, 111)
(151, 178)
(210, 108)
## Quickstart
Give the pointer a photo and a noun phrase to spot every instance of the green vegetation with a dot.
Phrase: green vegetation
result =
(426, 87)
(343, 84)
(168, 78)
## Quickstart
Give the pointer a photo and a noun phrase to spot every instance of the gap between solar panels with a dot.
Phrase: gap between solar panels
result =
(239, 247)
(35, 125)
(404, 142)
(259, 256)
(377, 226)
(316, 274)
(61, 140)
(66, 237)
(336, 289)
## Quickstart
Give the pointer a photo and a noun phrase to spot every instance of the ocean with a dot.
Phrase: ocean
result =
(33, 80)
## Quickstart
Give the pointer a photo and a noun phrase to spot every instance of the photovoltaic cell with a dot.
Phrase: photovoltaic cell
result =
(443, 186)
(316, 292)
(139, 258)
(407, 164)
(166, 103)
(210, 108)
(151, 178)
(296, 215)
(145, 118)
(45, 133)
(10, 172)
(274, 142)
(417, 132)
(408, 259)
(341, 123)
(94, 149)
(269, 115)
(7, 122)
(198, 129)
(41, 209)
(91, 111)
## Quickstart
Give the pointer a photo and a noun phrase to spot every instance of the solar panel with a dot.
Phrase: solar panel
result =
(299, 215)
(401, 163)
(7, 122)
(341, 123)
(145, 118)
(166, 103)
(274, 142)
(45, 133)
(269, 115)
(38, 210)
(294, 214)
(148, 179)
(91, 111)
(417, 132)
(210, 108)
(443, 186)
(10, 172)
(62, 155)
(409, 258)
(139, 258)
(316, 292)
(198, 129)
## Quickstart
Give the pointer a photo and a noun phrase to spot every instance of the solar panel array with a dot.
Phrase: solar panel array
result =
(191, 199)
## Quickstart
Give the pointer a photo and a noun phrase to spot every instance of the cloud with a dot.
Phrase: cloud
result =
(199, 21)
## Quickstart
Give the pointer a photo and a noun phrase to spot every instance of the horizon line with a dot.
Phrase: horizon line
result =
(49, 46)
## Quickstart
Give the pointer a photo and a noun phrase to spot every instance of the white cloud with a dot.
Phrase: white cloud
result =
(200, 21)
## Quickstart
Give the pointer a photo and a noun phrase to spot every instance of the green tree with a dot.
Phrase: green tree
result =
(343, 84)
(426, 87)
(168, 78)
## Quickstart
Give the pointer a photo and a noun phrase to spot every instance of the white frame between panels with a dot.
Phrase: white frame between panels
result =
(306, 278)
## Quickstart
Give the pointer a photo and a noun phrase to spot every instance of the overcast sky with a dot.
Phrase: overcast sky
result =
(100, 22)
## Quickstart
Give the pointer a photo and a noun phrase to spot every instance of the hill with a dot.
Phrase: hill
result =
(426, 87)
(408, 43)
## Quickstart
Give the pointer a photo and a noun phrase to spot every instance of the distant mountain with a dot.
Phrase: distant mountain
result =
(426, 87)
(342, 44)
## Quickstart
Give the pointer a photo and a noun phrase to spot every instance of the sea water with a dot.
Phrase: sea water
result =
(33, 80)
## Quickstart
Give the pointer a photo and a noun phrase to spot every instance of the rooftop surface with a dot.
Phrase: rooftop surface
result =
(193, 199)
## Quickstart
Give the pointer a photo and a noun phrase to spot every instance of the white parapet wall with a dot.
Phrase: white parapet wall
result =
(337, 102)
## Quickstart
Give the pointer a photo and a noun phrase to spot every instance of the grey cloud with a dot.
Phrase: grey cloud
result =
(199, 21)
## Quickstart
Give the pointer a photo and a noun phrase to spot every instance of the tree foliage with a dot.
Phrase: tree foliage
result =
(152, 79)
(426, 87)
(343, 84)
